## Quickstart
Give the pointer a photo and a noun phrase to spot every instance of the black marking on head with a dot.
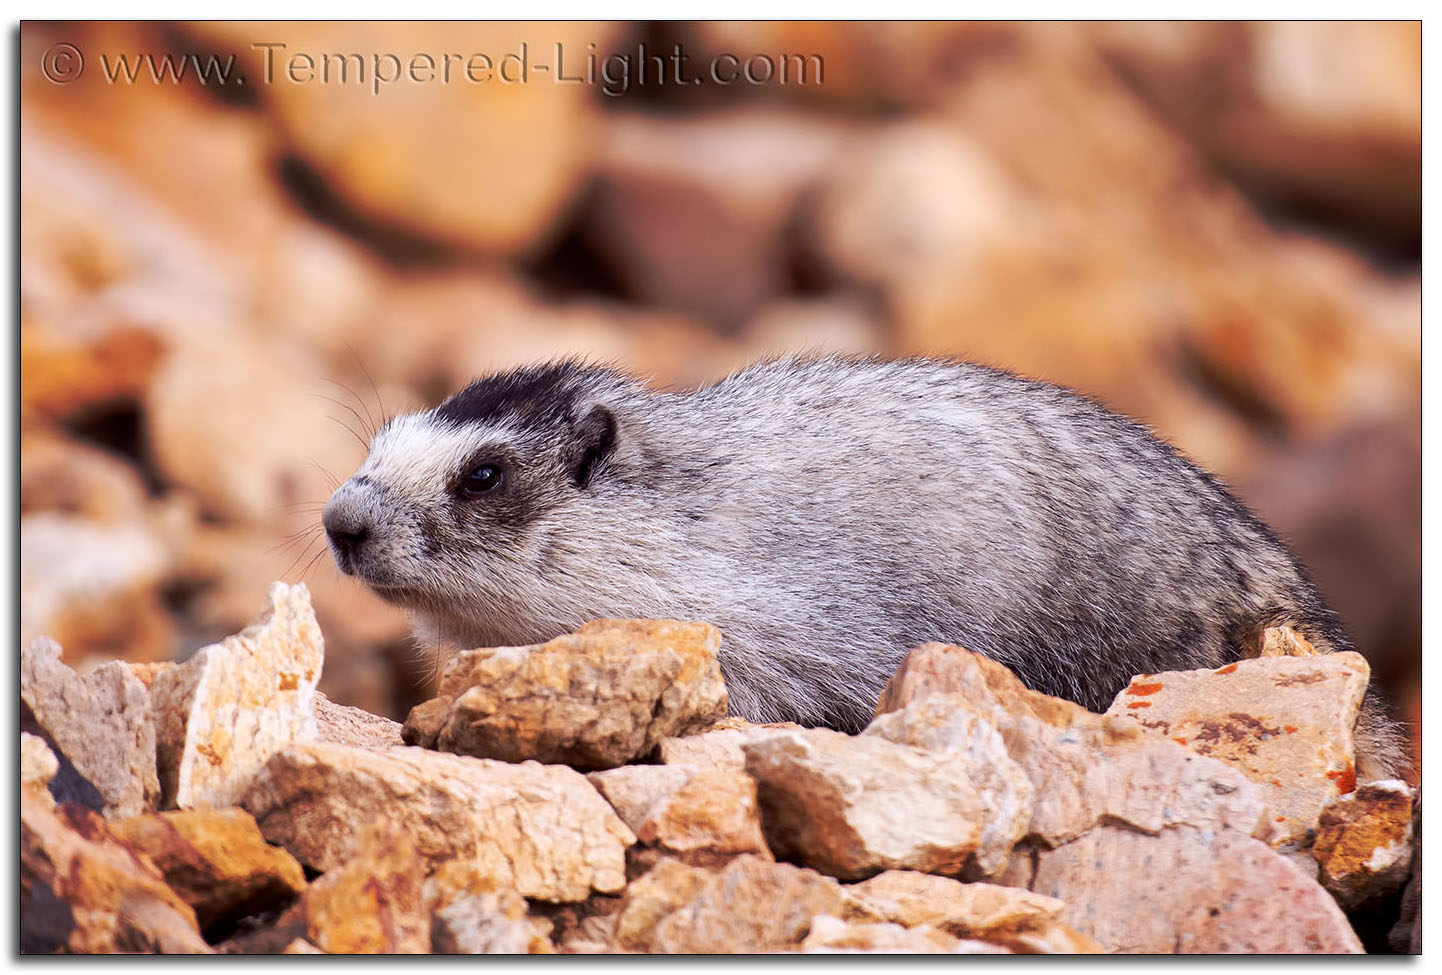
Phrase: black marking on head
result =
(592, 440)
(534, 395)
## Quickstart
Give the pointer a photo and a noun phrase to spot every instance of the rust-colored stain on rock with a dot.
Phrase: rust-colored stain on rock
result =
(1140, 704)
(1142, 690)
(1225, 670)
(1346, 778)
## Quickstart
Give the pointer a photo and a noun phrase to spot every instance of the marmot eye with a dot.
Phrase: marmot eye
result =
(482, 480)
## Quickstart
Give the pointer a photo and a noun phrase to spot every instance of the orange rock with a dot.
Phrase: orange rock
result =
(84, 891)
(593, 699)
(216, 860)
(374, 903)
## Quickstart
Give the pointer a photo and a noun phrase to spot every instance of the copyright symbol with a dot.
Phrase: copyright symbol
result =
(62, 63)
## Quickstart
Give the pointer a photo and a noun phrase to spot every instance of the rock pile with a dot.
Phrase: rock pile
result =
(590, 796)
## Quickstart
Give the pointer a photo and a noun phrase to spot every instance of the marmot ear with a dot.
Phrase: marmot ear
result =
(593, 439)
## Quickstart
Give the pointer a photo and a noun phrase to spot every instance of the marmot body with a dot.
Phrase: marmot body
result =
(828, 515)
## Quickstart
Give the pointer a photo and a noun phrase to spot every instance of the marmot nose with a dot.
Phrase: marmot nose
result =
(346, 530)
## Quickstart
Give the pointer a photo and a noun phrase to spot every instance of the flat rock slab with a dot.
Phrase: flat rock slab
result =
(1190, 891)
(223, 712)
(1284, 721)
(84, 891)
(593, 699)
(98, 725)
(855, 806)
(340, 724)
(1011, 917)
(1084, 768)
(541, 828)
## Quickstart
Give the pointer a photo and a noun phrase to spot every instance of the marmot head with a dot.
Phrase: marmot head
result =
(453, 505)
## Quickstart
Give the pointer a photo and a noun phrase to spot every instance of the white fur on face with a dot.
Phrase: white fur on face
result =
(414, 457)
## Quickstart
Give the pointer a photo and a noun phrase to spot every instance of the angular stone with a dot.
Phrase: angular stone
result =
(473, 913)
(216, 860)
(832, 934)
(84, 891)
(1364, 842)
(1285, 722)
(98, 724)
(541, 828)
(374, 903)
(1190, 891)
(1278, 641)
(943, 723)
(342, 725)
(653, 897)
(597, 698)
(719, 747)
(753, 905)
(711, 818)
(300, 946)
(1084, 768)
(227, 709)
(1406, 935)
(854, 806)
(1015, 918)
(38, 766)
(634, 790)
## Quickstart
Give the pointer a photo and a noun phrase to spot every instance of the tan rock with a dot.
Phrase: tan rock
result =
(374, 903)
(831, 934)
(501, 157)
(475, 914)
(1085, 768)
(1190, 891)
(38, 766)
(597, 698)
(753, 905)
(718, 748)
(70, 477)
(216, 860)
(685, 218)
(1364, 842)
(93, 586)
(944, 724)
(541, 828)
(1285, 722)
(232, 705)
(99, 723)
(854, 806)
(1278, 641)
(634, 790)
(653, 897)
(83, 891)
(342, 725)
(1309, 113)
(1017, 919)
(709, 819)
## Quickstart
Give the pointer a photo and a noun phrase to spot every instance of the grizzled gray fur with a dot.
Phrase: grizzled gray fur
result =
(827, 514)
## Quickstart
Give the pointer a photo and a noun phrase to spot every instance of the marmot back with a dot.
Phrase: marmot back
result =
(827, 514)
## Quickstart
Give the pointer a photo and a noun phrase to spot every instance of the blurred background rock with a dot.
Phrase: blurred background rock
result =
(1214, 228)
